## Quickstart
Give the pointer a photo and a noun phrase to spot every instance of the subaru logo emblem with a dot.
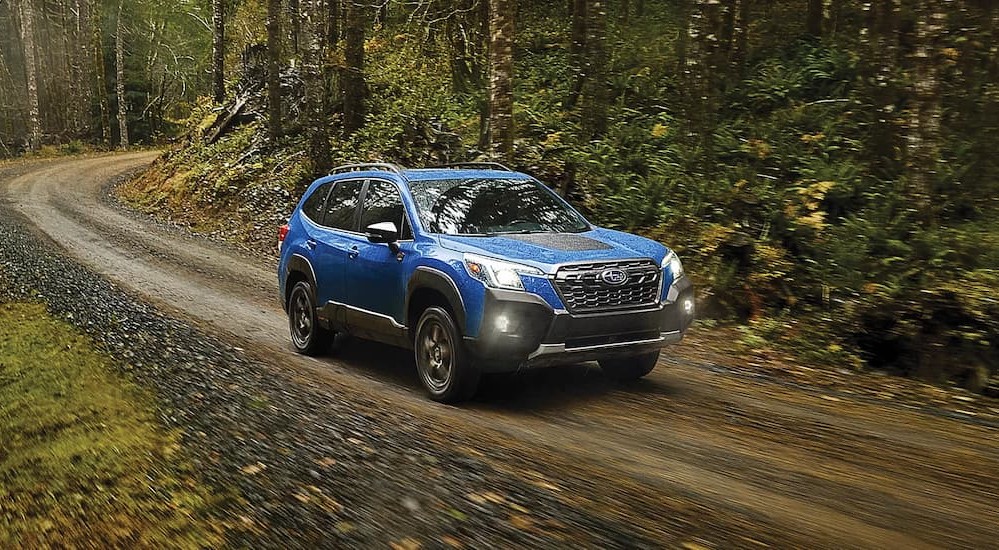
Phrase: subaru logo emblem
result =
(614, 277)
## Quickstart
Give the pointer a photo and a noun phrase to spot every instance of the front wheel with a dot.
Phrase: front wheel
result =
(626, 369)
(441, 360)
(306, 335)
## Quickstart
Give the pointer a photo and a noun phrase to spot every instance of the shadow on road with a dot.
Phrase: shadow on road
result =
(559, 387)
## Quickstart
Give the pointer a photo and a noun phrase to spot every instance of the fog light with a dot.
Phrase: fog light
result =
(688, 306)
(503, 323)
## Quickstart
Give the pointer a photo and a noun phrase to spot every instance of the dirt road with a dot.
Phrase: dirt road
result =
(754, 456)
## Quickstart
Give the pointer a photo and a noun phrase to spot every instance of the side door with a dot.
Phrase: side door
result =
(376, 274)
(332, 240)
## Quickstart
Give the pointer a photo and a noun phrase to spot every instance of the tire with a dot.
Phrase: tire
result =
(627, 369)
(307, 336)
(441, 361)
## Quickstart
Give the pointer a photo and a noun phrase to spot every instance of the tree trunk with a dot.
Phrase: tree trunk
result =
(683, 36)
(312, 71)
(597, 92)
(218, 50)
(993, 57)
(577, 52)
(740, 36)
(830, 16)
(100, 74)
(295, 18)
(31, 73)
(71, 74)
(119, 56)
(84, 67)
(464, 67)
(334, 9)
(274, 69)
(727, 32)
(501, 29)
(353, 78)
(923, 140)
(813, 18)
(483, 23)
(702, 77)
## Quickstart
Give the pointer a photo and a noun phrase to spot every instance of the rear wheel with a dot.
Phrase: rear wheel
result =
(306, 335)
(441, 360)
(625, 369)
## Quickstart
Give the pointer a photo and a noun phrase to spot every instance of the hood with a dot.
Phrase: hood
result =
(546, 250)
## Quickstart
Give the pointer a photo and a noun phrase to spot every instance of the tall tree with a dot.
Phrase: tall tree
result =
(352, 81)
(830, 16)
(119, 86)
(701, 71)
(295, 16)
(813, 18)
(683, 36)
(218, 50)
(577, 50)
(100, 74)
(274, 69)
(923, 137)
(334, 13)
(83, 68)
(740, 34)
(597, 92)
(468, 33)
(881, 43)
(501, 29)
(315, 92)
(27, 12)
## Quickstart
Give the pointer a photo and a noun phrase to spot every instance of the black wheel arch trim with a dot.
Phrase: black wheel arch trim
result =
(301, 264)
(435, 279)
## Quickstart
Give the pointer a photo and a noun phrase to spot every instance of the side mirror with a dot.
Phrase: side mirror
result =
(384, 233)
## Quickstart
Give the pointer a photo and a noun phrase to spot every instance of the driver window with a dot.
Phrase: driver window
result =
(382, 203)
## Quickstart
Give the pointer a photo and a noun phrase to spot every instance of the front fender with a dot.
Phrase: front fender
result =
(437, 279)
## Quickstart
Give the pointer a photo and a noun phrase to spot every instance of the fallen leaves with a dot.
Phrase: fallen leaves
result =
(405, 544)
(253, 469)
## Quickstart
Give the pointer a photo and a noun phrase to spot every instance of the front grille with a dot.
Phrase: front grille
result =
(583, 289)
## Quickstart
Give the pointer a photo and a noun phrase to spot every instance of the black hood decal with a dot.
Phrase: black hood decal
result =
(568, 242)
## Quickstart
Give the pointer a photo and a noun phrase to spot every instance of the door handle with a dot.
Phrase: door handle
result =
(353, 252)
(310, 244)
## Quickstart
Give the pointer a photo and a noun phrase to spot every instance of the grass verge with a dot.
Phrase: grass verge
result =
(83, 460)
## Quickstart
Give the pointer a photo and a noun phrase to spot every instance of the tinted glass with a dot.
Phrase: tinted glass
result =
(492, 206)
(341, 206)
(382, 203)
(313, 206)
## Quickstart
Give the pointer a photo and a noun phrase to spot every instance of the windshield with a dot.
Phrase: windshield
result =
(492, 206)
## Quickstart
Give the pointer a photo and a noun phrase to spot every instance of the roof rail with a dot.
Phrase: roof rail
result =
(365, 166)
(476, 165)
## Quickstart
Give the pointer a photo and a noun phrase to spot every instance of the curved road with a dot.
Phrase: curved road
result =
(753, 457)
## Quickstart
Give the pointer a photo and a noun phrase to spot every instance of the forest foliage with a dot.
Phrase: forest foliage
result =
(825, 168)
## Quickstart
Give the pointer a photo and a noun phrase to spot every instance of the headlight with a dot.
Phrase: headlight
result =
(673, 263)
(498, 274)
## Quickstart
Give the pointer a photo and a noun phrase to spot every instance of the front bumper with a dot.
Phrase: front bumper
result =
(520, 330)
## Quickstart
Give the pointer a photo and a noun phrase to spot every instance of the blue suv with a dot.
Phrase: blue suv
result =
(476, 268)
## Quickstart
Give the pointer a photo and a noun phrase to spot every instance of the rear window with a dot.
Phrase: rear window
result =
(313, 206)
